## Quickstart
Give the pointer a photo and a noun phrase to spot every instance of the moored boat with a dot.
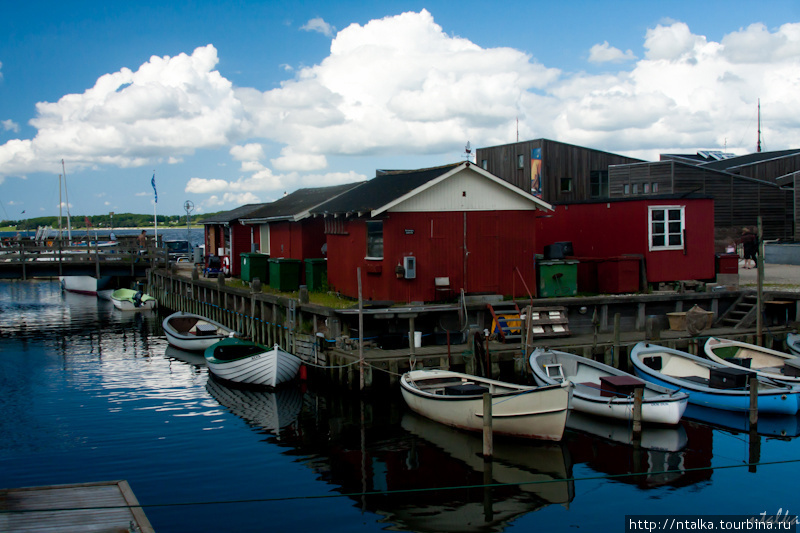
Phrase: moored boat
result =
(131, 300)
(763, 361)
(456, 400)
(603, 390)
(242, 361)
(189, 331)
(793, 343)
(85, 284)
(710, 383)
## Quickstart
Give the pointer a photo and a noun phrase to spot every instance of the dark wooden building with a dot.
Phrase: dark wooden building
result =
(553, 171)
(738, 200)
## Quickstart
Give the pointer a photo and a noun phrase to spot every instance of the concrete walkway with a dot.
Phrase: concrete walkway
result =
(776, 277)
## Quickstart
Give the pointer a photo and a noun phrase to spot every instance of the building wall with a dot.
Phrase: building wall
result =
(610, 229)
(498, 243)
(559, 160)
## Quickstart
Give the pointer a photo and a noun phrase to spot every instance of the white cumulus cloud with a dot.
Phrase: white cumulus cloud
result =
(605, 53)
(320, 26)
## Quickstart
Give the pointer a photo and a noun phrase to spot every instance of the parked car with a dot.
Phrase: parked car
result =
(178, 250)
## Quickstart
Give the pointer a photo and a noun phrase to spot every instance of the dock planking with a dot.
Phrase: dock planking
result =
(105, 507)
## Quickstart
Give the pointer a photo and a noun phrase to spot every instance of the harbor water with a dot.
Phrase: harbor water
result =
(91, 393)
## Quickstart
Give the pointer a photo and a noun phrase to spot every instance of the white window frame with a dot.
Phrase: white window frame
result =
(652, 231)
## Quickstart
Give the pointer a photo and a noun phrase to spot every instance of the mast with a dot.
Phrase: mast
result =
(66, 197)
(60, 236)
(758, 146)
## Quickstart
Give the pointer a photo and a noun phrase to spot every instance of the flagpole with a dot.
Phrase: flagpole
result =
(155, 207)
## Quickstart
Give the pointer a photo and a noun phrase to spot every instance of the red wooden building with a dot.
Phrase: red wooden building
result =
(227, 238)
(673, 234)
(423, 235)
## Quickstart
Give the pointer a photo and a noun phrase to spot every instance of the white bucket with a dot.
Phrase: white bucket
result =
(417, 339)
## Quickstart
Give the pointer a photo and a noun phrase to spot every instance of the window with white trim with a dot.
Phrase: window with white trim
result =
(667, 226)
(375, 239)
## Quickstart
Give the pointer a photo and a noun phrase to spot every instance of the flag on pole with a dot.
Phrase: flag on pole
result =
(153, 183)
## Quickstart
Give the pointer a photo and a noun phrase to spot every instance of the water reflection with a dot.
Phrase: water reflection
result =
(268, 410)
(660, 455)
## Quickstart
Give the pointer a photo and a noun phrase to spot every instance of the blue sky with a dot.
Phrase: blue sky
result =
(239, 102)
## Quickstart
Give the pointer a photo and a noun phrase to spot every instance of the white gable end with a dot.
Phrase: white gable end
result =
(466, 190)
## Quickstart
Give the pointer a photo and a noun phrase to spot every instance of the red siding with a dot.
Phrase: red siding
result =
(496, 242)
(612, 229)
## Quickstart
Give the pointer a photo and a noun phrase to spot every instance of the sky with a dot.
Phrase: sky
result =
(228, 103)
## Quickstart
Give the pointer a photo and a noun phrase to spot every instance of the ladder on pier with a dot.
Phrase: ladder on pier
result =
(742, 314)
(506, 321)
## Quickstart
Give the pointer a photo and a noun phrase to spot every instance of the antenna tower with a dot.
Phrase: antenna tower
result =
(758, 146)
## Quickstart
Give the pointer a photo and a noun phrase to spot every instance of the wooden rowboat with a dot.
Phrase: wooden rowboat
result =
(710, 383)
(603, 390)
(192, 332)
(456, 400)
(763, 361)
(246, 362)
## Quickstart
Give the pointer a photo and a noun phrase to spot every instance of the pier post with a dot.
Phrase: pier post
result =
(638, 396)
(754, 399)
(488, 445)
(615, 356)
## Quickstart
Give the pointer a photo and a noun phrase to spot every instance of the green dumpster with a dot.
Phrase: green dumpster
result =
(557, 278)
(316, 273)
(284, 274)
(254, 265)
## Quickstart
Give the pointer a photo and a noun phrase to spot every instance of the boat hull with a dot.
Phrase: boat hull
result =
(660, 405)
(253, 364)
(771, 399)
(126, 300)
(527, 412)
(85, 284)
(186, 331)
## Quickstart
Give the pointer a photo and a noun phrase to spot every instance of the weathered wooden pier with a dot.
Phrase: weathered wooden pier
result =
(328, 341)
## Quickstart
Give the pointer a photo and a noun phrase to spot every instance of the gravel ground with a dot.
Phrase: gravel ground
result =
(776, 277)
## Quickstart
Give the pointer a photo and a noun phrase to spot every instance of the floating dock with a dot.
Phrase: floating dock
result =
(106, 506)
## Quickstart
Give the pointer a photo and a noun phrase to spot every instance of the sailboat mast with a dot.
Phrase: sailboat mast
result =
(60, 236)
(758, 146)
(66, 197)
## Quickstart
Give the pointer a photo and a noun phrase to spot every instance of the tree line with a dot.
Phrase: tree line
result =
(118, 220)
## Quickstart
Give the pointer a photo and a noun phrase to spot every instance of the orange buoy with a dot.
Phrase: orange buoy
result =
(303, 375)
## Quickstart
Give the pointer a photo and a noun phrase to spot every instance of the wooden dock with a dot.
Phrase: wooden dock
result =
(106, 506)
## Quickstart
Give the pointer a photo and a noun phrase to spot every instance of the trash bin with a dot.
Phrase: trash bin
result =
(284, 274)
(316, 273)
(557, 278)
(727, 263)
(254, 265)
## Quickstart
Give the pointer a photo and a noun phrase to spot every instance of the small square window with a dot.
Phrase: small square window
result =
(485, 164)
(566, 184)
(646, 188)
(626, 189)
(654, 188)
(520, 161)
(635, 188)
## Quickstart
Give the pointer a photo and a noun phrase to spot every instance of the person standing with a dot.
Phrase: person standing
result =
(750, 247)
(142, 239)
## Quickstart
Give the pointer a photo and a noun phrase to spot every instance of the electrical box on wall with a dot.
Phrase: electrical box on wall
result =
(410, 266)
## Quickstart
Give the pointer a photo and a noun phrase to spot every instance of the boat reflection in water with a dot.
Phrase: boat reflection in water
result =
(271, 410)
(780, 426)
(660, 456)
(194, 359)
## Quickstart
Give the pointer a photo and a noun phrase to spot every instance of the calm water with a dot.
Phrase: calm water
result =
(88, 393)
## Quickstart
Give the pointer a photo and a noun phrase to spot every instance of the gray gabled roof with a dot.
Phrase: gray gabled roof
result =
(385, 187)
(226, 217)
(296, 205)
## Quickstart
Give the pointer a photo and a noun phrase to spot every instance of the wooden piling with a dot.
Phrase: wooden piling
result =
(638, 396)
(754, 399)
(488, 445)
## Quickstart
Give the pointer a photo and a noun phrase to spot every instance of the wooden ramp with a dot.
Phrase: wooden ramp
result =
(106, 506)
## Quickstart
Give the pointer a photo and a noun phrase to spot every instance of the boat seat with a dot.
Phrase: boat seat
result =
(696, 379)
(555, 372)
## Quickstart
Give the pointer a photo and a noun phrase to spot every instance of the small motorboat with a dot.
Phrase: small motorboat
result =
(242, 361)
(793, 343)
(763, 361)
(192, 332)
(710, 383)
(603, 390)
(456, 400)
(131, 300)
